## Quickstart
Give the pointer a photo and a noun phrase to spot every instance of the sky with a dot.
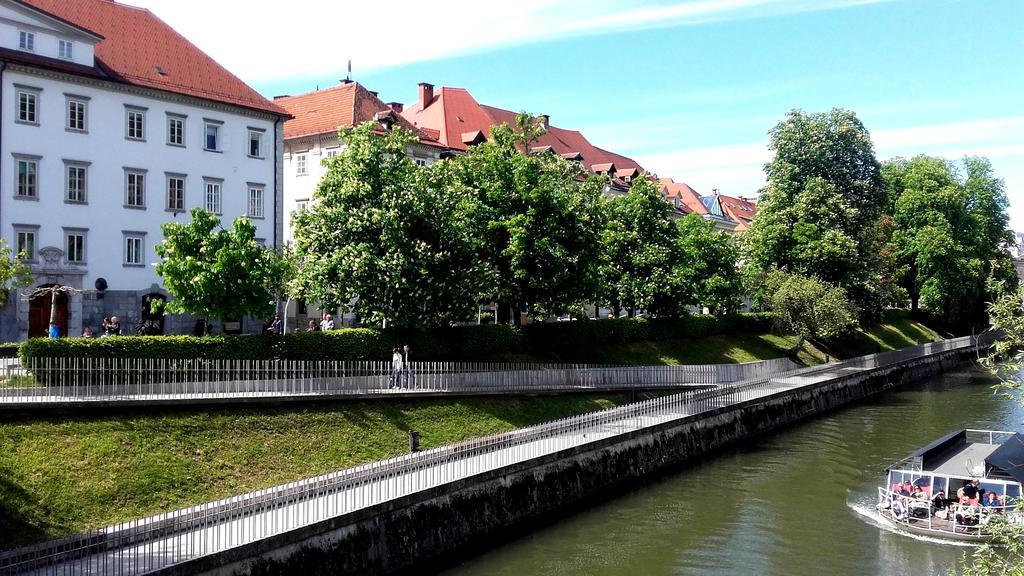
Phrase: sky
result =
(688, 88)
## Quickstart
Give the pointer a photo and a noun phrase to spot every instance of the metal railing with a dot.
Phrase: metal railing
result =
(955, 518)
(50, 380)
(147, 544)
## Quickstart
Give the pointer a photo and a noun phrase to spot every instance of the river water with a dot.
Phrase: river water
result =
(796, 502)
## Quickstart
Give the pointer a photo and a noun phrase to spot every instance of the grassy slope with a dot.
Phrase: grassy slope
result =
(748, 347)
(61, 475)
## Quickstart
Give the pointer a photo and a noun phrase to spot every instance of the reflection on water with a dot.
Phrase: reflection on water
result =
(785, 504)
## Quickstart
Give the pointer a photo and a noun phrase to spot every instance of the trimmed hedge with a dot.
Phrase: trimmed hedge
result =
(466, 343)
(8, 349)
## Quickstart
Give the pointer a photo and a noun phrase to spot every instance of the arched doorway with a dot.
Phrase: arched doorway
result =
(152, 319)
(40, 306)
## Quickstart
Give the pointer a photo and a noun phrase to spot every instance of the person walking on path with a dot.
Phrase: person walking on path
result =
(327, 323)
(407, 367)
(396, 368)
(275, 325)
(54, 331)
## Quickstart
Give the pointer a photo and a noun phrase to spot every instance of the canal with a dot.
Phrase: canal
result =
(796, 502)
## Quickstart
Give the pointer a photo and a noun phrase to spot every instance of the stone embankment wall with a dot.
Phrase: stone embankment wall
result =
(408, 534)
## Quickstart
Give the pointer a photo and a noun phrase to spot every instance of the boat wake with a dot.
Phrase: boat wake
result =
(868, 511)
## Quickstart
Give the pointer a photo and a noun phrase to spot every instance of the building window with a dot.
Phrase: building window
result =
(213, 196)
(175, 130)
(301, 205)
(27, 41)
(255, 209)
(74, 240)
(134, 244)
(136, 124)
(255, 143)
(134, 189)
(64, 49)
(419, 160)
(300, 164)
(176, 193)
(77, 106)
(28, 105)
(212, 136)
(75, 183)
(332, 152)
(26, 171)
(26, 243)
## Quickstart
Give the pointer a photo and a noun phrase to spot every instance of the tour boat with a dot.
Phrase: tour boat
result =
(926, 493)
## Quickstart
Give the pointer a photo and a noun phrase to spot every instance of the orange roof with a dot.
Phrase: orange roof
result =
(348, 105)
(135, 42)
(453, 112)
(687, 195)
(741, 210)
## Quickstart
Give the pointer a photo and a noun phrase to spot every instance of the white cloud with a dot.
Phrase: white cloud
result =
(262, 41)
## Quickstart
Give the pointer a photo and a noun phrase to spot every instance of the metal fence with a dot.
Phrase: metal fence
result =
(50, 380)
(148, 544)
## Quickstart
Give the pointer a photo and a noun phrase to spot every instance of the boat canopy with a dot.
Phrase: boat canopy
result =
(927, 455)
(1009, 457)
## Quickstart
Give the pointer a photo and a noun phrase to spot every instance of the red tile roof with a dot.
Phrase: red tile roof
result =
(135, 42)
(687, 195)
(741, 210)
(453, 112)
(348, 104)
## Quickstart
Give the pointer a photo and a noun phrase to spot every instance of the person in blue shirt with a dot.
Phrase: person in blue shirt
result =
(991, 500)
(54, 330)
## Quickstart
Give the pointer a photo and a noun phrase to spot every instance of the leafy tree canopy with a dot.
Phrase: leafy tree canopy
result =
(808, 307)
(820, 207)
(539, 221)
(386, 239)
(216, 273)
(951, 234)
(710, 264)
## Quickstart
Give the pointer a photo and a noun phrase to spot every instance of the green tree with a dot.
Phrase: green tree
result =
(808, 307)
(216, 273)
(710, 263)
(819, 209)
(643, 267)
(950, 234)
(386, 239)
(539, 222)
(14, 273)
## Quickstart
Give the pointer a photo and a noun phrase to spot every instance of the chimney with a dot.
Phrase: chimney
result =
(375, 94)
(426, 95)
(544, 120)
(345, 80)
(396, 106)
(714, 191)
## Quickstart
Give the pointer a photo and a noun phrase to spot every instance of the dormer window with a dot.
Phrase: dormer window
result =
(27, 41)
(64, 49)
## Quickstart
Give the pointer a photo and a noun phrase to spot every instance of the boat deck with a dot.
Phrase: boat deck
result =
(938, 525)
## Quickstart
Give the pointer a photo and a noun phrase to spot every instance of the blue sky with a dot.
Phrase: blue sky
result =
(687, 88)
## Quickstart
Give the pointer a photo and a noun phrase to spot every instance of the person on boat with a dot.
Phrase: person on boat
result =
(940, 505)
(906, 489)
(991, 500)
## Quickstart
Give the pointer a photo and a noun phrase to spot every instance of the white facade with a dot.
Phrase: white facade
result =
(110, 169)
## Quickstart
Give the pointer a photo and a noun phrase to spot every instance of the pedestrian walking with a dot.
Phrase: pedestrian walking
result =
(54, 331)
(396, 368)
(407, 366)
(327, 323)
(275, 325)
(312, 327)
(112, 327)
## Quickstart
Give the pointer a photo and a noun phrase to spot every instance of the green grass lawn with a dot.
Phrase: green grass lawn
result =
(61, 475)
(748, 347)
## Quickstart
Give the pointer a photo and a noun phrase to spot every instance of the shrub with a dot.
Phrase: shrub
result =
(809, 307)
(8, 349)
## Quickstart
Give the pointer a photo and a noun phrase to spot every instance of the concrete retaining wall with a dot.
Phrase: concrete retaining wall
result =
(407, 534)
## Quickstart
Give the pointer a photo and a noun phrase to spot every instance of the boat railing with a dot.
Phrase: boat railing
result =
(964, 518)
(993, 436)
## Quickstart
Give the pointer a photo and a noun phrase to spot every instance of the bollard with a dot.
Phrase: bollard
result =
(414, 441)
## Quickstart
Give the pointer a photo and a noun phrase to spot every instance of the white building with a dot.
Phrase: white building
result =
(113, 124)
(311, 136)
